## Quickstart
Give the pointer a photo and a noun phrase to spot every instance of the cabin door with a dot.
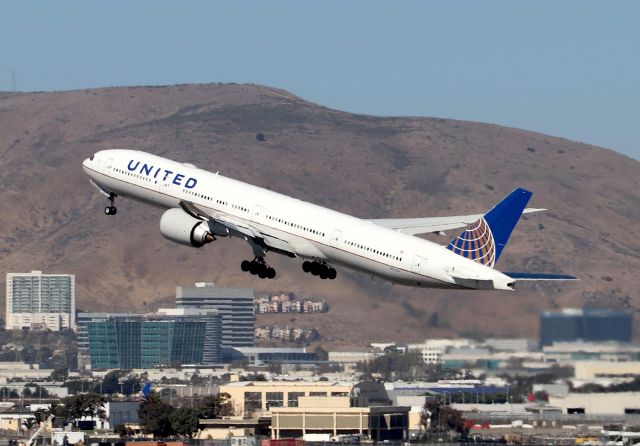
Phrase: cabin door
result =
(335, 237)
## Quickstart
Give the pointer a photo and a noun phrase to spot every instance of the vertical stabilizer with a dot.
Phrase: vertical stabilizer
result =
(485, 239)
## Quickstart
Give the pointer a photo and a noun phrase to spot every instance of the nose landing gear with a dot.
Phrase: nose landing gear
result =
(111, 209)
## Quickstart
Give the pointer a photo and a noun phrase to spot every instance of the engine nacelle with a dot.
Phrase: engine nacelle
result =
(180, 227)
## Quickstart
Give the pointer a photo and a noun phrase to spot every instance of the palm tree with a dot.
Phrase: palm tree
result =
(41, 415)
(29, 423)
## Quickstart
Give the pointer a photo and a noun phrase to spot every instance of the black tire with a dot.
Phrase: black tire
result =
(254, 268)
(306, 266)
(271, 273)
(107, 210)
(332, 274)
(262, 272)
(315, 268)
(245, 265)
(114, 210)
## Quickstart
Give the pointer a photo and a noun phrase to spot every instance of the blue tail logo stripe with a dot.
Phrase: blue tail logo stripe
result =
(484, 241)
(476, 243)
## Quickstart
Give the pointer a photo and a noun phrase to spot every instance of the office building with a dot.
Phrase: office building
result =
(585, 324)
(259, 356)
(134, 343)
(234, 305)
(40, 301)
(212, 353)
(171, 337)
(331, 417)
(252, 397)
(82, 333)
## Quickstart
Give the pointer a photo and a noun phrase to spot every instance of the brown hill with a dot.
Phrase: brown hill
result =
(52, 218)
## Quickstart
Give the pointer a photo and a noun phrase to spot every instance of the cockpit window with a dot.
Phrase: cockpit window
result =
(91, 157)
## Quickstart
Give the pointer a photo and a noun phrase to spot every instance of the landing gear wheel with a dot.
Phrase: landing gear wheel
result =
(315, 268)
(324, 272)
(111, 209)
(332, 274)
(258, 267)
(306, 266)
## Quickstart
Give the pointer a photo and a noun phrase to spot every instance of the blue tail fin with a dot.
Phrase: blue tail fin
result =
(485, 239)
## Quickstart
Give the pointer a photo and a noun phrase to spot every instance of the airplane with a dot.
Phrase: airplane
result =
(201, 206)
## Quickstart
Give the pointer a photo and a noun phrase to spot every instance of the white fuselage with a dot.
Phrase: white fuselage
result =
(314, 232)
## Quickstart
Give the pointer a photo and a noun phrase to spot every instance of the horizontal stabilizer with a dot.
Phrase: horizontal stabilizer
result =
(539, 276)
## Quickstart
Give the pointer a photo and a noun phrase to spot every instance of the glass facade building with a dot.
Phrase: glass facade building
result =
(234, 305)
(43, 301)
(585, 324)
(109, 338)
(146, 342)
(82, 332)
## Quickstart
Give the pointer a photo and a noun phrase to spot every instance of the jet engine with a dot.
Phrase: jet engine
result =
(180, 227)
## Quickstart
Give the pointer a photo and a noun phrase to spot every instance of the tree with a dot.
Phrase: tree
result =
(321, 354)
(9, 393)
(216, 406)
(123, 431)
(438, 417)
(111, 382)
(41, 415)
(131, 385)
(60, 374)
(395, 365)
(29, 423)
(58, 411)
(83, 405)
(253, 377)
(184, 421)
(155, 416)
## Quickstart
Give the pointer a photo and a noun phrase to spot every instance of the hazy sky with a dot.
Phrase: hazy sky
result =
(566, 68)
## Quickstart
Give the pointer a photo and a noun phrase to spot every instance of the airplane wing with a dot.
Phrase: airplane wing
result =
(223, 224)
(413, 226)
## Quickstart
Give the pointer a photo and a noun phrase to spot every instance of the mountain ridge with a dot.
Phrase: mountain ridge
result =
(372, 167)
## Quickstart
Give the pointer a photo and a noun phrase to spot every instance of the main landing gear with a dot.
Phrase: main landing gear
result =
(258, 267)
(319, 269)
(111, 209)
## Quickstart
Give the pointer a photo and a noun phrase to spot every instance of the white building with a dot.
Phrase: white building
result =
(432, 355)
(510, 344)
(619, 403)
(441, 344)
(352, 357)
(40, 301)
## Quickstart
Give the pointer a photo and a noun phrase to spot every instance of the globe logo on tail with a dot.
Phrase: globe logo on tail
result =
(476, 243)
